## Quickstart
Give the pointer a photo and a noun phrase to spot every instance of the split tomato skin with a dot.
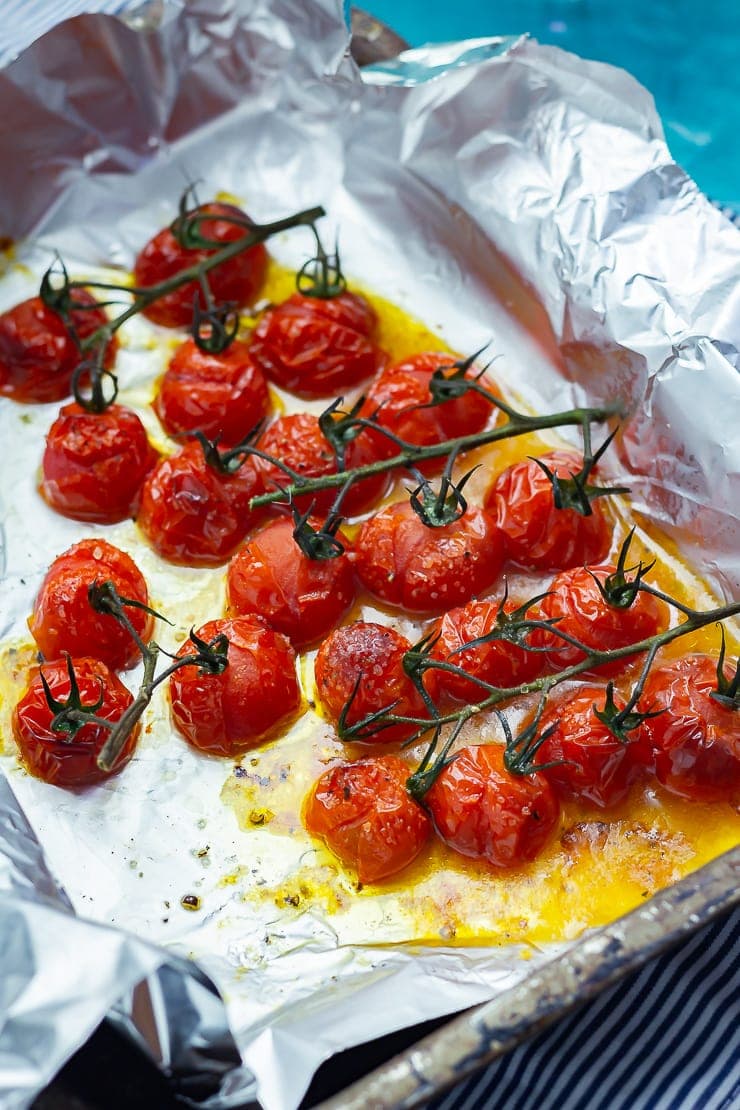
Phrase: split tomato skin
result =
(482, 811)
(64, 621)
(94, 464)
(428, 570)
(367, 818)
(695, 741)
(38, 354)
(221, 395)
(47, 754)
(238, 280)
(301, 597)
(540, 536)
(258, 693)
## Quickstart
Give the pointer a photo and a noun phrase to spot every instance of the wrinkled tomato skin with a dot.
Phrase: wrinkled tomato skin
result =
(575, 600)
(191, 514)
(695, 741)
(63, 620)
(38, 355)
(595, 766)
(257, 694)
(499, 662)
(302, 598)
(373, 654)
(223, 396)
(94, 464)
(540, 536)
(482, 811)
(367, 818)
(427, 570)
(44, 753)
(238, 280)
(318, 347)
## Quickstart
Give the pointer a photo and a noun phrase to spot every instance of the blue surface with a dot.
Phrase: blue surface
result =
(686, 52)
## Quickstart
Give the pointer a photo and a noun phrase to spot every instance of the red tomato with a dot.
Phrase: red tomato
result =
(539, 535)
(483, 811)
(95, 463)
(223, 396)
(696, 740)
(193, 514)
(258, 693)
(373, 654)
(575, 600)
(297, 440)
(63, 619)
(302, 598)
(38, 354)
(499, 662)
(318, 347)
(56, 757)
(367, 817)
(597, 767)
(238, 280)
(399, 391)
(427, 570)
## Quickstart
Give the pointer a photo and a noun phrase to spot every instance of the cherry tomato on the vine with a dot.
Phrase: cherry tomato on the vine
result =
(94, 463)
(54, 756)
(63, 619)
(482, 811)
(229, 713)
(367, 817)
(238, 280)
(38, 352)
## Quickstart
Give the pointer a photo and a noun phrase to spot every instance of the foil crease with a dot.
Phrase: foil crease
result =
(499, 189)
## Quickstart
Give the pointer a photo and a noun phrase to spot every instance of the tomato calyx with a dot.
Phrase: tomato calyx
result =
(432, 765)
(321, 276)
(233, 458)
(105, 598)
(621, 722)
(340, 427)
(371, 724)
(618, 589)
(521, 750)
(72, 715)
(449, 383)
(575, 492)
(728, 689)
(215, 327)
(186, 226)
(436, 508)
(321, 543)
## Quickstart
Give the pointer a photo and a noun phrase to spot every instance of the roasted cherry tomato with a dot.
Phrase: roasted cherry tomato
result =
(367, 659)
(575, 601)
(481, 810)
(54, 756)
(95, 463)
(539, 535)
(238, 280)
(499, 662)
(398, 398)
(301, 597)
(63, 619)
(228, 713)
(367, 817)
(297, 440)
(695, 740)
(318, 347)
(223, 396)
(593, 765)
(427, 570)
(38, 352)
(191, 513)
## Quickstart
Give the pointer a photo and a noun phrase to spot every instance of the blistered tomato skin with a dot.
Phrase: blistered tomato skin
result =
(427, 570)
(229, 713)
(221, 395)
(482, 811)
(238, 280)
(318, 347)
(540, 536)
(301, 597)
(47, 754)
(368, 657)
(94, 464)
(367, 818)
(695, 741)
(63, 619)
(38, 354)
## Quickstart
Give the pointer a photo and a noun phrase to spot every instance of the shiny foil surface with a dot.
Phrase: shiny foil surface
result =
(501, 191)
